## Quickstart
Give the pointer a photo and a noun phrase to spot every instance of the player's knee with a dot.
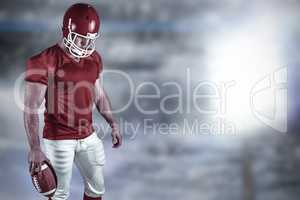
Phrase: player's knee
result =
(97, 189)
(60, 195)
(95, 193)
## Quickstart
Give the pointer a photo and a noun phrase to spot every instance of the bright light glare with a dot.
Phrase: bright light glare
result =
(244, 54)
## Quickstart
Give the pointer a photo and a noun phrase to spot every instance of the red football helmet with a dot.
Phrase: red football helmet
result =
(80, 29)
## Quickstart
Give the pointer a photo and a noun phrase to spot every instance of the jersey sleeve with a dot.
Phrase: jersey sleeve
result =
(37, 67)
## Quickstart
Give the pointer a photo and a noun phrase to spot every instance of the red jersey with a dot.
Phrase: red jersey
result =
(70, 91)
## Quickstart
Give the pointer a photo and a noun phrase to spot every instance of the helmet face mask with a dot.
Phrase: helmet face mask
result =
(80, 30)
(80, 46)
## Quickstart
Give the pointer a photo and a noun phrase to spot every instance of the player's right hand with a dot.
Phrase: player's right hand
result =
(35, 159)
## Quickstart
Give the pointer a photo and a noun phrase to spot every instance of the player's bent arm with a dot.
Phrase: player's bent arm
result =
(34, 95)
(33, 98)
(103, 106)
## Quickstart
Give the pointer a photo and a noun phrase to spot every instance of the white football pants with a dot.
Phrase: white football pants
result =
(88, 155)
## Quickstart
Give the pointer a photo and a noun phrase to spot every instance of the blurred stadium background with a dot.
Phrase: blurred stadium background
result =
(158, 40)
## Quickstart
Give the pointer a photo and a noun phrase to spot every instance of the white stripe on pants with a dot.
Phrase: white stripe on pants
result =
(88, 155)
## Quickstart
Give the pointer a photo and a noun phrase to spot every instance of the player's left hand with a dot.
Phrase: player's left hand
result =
(116, 137)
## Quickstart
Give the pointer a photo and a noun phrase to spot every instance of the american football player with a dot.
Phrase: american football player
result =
(66, 76)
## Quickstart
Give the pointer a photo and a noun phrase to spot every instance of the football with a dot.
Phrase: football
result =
(45, 181)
